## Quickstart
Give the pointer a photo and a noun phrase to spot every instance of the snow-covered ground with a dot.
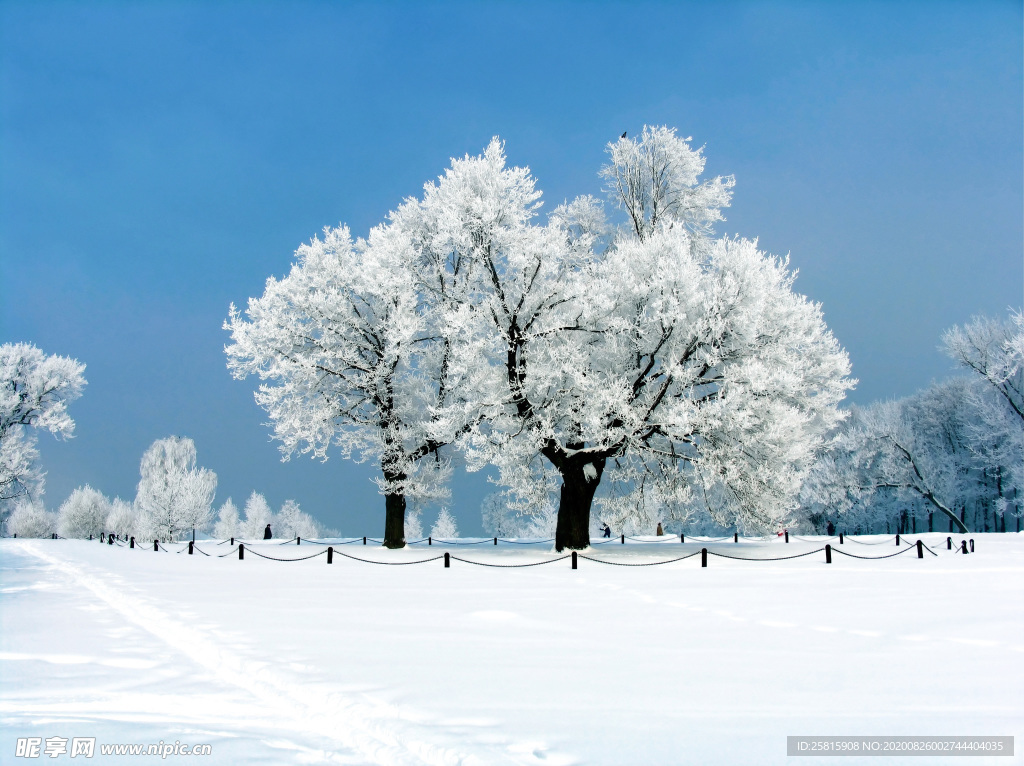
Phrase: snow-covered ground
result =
(302, 662)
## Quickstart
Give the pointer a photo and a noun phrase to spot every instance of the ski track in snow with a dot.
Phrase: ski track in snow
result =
(373, 732)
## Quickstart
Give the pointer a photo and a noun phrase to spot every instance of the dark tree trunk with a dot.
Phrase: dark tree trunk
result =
(394, 510)
(394, 521)
(573, 528)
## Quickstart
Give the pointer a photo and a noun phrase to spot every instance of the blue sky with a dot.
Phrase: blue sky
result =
(159, 160)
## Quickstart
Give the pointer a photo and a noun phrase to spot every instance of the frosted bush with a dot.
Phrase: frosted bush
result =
(227, 525)
(257, 516)
(122, 520)
(294, 522)
(84, 513)
(31, 519)
(445, 527)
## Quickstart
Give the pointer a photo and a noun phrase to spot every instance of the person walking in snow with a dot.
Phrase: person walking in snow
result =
(266, 533)
(606, 530)
(660, 532)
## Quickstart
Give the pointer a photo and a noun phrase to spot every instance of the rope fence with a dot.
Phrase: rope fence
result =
(772, 558)
(965, 547)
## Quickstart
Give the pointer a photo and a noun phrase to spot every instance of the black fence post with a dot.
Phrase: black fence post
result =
(972, 545)
(787, 535)
(110, 539)
(828, 553)
(430, 541)
(840, 538)
(330, 555)
(232, 541)
(364, 539)
(103, 536)
(241, 551)
(190, 544)
(131, 543)
(574, 559)
(495, 540)
(623, 538)
(963, 546)
(90, 535)
(735, 537)
(156, 545)
(682, 539)
(703, 557)
(447, 560)
(897, 539)
(920, 549)
(949, 543)
(298, 541)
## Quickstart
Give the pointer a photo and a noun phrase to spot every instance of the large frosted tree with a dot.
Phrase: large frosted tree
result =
(676, 360)
(350, 357)
(35, 391)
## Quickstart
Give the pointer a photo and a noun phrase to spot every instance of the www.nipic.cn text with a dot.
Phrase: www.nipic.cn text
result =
(85, 747)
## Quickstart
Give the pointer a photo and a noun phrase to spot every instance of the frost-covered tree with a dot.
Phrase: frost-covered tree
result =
(35, 391)
(83, 514)
(996, 440)
(174, 494)
(123, 519)
(349, 355)
(498, 519)
(30, 519)
(502, 519)
(294, 522)
(445, 528)
(257, 515)
(914, 448)
(227, 525)
(954, 449)
(994, 350)
(676, 360)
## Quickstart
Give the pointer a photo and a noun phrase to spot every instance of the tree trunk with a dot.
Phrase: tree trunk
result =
(573, 528)
(953, 520)
(394, 521)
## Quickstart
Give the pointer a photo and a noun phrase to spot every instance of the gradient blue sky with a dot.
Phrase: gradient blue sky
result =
(159, 160)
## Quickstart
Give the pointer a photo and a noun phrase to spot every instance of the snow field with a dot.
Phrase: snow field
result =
(302, 662)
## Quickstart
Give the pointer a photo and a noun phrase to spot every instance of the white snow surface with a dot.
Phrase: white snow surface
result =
(355, 663)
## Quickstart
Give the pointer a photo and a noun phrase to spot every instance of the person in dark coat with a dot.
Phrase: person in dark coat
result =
(606, 530)
(831, 529)
(660, 532)
(266, 533)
